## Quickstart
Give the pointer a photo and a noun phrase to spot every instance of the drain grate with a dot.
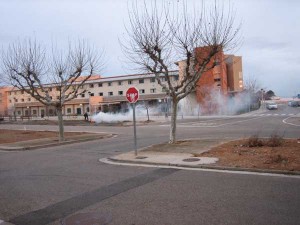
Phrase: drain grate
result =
(191, 160)
(141, 157)
(87, 219)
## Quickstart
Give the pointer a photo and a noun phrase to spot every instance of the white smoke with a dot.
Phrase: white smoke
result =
(140, 111)
(102, 117)
(215, 104)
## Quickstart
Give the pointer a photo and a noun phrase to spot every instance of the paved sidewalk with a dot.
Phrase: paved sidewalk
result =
(160, 158)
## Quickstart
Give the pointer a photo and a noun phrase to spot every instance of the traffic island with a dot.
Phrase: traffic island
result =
(234, 155)
(20, 140)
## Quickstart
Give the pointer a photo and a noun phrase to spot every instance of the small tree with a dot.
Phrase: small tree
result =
(252, 85)
(31, 69)
(269, 94)
(159, 37)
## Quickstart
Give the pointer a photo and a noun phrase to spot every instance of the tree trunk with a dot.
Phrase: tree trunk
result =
(60, 123)
(148, 114)
(173, 121)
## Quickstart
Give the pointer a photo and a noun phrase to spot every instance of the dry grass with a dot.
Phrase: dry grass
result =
(11, 136)
(285, 156)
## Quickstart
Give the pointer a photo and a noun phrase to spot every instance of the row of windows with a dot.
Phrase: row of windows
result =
(120, 93)
(22, 100)
(140, 81)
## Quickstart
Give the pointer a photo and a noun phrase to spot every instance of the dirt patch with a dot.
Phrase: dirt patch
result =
(238, 154)
(11, 136)
(185, 146)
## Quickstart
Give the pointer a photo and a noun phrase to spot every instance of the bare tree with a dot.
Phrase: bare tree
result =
(31, 69)
(158, 37)
(146, 105)
(252, 85)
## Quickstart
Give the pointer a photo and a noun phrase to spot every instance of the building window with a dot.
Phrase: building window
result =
(101, 94)
(142, 91)
(9, 93)
(164, 89)
(19, 112)
(176, 78)
(57, 97)
(141, 81)
(58, 88)
(91, 94)
(22, 92)
(130, 82)
(50, 89)
(153, 90)
(217, 79)
(82, 95)
(91, 85)
(16, 100)
(34, 112)
(22, 99)
(163, 79)
(110, 93)
(152, 80)
(120, 92)
(9, 101)
(120, 83)
(99, 84)
(69, 110)
(29, 99)
(109, 83)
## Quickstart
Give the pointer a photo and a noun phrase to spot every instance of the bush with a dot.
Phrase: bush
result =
(275, 140)
(254, 141)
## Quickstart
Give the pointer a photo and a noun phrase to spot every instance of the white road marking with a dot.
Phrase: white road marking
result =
(283, 114)
(105, 160)
(240, 121)
(284, 121)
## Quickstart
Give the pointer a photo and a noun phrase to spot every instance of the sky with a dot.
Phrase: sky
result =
(270, 31)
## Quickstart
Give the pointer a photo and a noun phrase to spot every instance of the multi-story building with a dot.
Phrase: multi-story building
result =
(108, 93)
(224, 79)
(100, 94)
(3, 100)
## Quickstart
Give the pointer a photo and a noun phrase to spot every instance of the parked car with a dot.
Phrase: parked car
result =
(272, 105)
(294, 103)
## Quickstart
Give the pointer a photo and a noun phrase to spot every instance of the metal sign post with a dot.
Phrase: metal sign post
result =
(132, 95)
(134, 129)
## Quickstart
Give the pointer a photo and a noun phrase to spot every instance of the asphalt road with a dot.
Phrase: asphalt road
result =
(45, 185)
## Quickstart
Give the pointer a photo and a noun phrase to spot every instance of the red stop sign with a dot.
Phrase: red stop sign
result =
(132, 95)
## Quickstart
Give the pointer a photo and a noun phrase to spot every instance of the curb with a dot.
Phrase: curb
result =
(17, 148)
(284, 172)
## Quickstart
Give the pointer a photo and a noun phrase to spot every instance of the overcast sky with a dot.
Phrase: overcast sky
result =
(271, 33)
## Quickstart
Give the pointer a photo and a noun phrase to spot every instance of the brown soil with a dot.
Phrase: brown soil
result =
(11, 136)
(237, 154)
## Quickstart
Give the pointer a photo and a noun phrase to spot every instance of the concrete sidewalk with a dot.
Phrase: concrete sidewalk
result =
(162, 158)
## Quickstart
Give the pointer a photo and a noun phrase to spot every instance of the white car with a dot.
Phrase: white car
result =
(272, 105)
